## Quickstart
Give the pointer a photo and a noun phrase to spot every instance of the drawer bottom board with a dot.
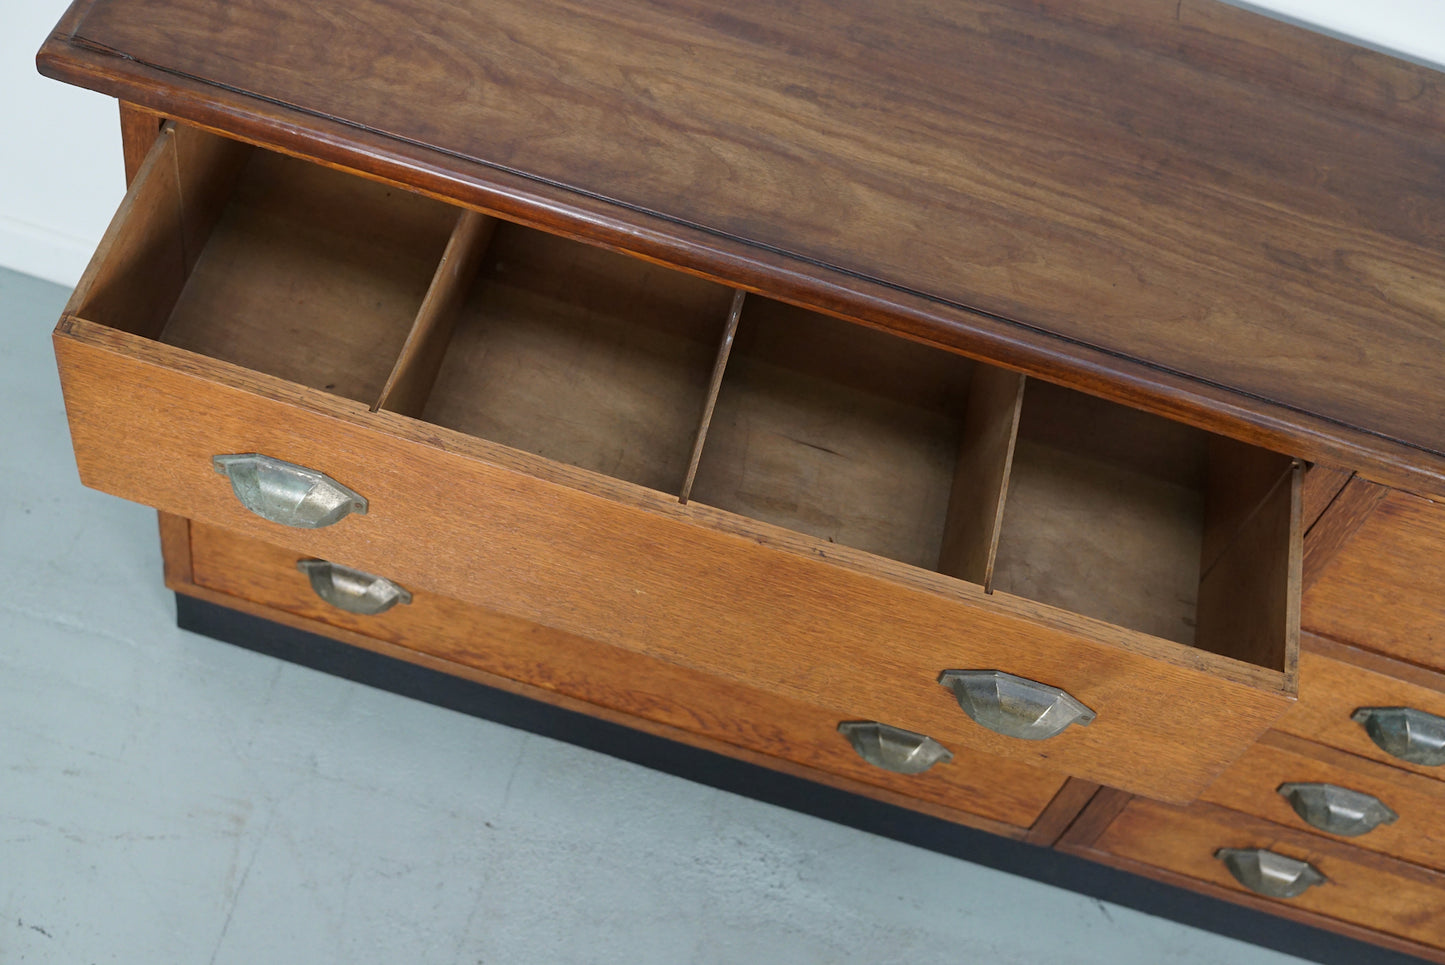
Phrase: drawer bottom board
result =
(275, 639)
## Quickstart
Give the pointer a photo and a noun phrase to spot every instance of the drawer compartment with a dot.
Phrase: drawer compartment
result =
(1340, 680)
(747, 489)
(1254, 782)
(1362, 890)
(270, 263)
(619, 680)
(580, 355)
(1384, 591)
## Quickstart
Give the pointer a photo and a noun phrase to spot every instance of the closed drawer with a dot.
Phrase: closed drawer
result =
(1307, 786)
(756, 492)
(1360, 889)
(1337, 681)
(1385, 589)
(625, 682)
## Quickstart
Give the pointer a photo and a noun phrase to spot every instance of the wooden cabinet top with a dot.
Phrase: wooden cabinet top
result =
(1180, 205)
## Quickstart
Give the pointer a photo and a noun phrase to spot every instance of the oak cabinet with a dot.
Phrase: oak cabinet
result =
(971, 432)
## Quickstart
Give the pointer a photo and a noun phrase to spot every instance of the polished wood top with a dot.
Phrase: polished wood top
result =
(1179, 204)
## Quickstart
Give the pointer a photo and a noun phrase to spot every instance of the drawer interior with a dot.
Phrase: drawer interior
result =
(600, 360)
(275, 264)
(835, 430)
(1105, 513)
(582, 355)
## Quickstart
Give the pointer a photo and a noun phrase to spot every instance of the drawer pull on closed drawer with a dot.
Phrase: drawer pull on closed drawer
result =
(352, 590)
(1404, 732)
(893, 748)
(288, 494)
(1015, 706)
(1269, 874)
(1337, 810)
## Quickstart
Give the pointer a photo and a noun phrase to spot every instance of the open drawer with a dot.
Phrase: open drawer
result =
(758, 492)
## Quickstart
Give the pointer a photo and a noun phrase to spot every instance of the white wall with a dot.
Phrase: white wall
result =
(60, 164)
(61, 175)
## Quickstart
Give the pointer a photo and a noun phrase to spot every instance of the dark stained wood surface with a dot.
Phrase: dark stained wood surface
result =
(1177, 204)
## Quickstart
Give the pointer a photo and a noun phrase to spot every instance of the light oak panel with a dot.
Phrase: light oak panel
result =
(1385, 588)
(1364, 889)
(1336, 680)
(623, 681)
(1251, 784)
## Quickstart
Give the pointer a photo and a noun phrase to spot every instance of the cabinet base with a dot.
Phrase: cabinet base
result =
(805, 797)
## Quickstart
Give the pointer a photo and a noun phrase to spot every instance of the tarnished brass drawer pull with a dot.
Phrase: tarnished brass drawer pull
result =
(1337, 810)
(893, 748)
(1404, 732)
(288, 494)
(1270, 874)
(352, 590)
(1015, 706)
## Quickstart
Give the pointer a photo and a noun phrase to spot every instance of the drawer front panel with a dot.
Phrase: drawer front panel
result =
(1385, 590)
(1332, 689)
(1252, 785)
(693, 586)
(1362, 889)
(633, 684)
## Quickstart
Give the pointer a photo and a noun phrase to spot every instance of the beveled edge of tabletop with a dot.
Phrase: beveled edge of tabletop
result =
(549, 206)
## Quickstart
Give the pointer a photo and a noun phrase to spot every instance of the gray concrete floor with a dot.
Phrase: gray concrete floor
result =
(166, 798)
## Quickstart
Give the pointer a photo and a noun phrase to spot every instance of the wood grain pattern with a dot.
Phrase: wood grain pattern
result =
(980, 479)
(207, 171)
(837, 431)
(799, 617)
(1033, 180)
(138, 132)
(1105, 513)
(1249, 602)
(139, 267)
(1238, 479)
(714, 385)
(175, 548)
(1062, 811)
(1336, 680)
(420, 359)
(583, 356)
(1322, 485)
(1385, 588)
(1233, 893)
(1095, 819)
(1364, 889)
(1251, 783)
(311, 276)
(1335, 527)
(722, 711)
